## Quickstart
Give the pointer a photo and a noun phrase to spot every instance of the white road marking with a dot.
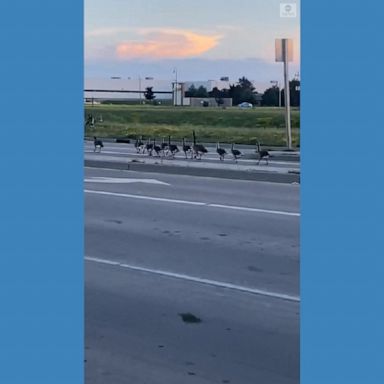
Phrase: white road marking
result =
(254, 209)
(120, 180)
(248, 209)
(214, 283)
(144, 197)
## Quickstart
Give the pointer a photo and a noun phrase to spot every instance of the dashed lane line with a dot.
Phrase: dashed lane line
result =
(195, 203)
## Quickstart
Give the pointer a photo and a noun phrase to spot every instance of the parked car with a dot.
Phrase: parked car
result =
(245, 105)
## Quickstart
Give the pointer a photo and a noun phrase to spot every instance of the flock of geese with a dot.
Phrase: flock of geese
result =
(193, 151)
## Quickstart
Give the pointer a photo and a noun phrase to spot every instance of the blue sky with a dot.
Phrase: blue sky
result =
(202, 39)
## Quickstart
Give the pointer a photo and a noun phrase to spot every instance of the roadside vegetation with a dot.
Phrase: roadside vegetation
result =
(212, 124)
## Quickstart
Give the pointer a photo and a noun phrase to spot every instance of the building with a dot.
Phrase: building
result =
(118, 88)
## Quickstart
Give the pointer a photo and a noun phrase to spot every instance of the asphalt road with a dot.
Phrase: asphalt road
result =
(226, 251)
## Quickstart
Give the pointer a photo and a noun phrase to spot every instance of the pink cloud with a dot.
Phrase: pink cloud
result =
(167, 44)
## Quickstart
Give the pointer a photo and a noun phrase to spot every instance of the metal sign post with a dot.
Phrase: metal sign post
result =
(286, 95)
(284, 53)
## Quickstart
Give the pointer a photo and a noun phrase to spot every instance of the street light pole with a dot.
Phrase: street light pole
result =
(140, 89)
(175, 72)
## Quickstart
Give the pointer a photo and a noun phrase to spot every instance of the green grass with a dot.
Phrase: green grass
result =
(211, 124)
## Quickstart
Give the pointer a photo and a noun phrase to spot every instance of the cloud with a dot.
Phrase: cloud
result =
(107, 32)
(161, 44)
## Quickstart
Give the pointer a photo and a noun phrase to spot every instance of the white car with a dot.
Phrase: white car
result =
(245, 105)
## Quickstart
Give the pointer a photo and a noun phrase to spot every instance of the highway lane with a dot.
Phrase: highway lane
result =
(283, 196)
(135, 334)
(148, 221)
(256, 248)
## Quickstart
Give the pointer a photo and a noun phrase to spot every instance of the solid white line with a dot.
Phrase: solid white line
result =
(254, 209)
(214, 283)
(144, 197)
(247, 209)
(120, 180)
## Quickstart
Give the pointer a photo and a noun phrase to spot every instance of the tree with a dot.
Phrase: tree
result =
(235, 93)
(196, 92)
(244, 83)
(271, 97)
(201, 92)
(294, 89)
(218, 95)
(244, 91)
(191, 91)
(149, 94)
(294, 93)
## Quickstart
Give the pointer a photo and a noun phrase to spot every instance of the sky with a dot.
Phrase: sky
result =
(198, 40)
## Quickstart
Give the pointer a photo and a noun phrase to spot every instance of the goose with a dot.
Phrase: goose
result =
(235, 153)
(198, 149)
(263, 154)
(149, 147)
(186, 148)
(172, 147)
(156, 148)
(221, 151)
(139, 145)
(164, 145)
(97, 143)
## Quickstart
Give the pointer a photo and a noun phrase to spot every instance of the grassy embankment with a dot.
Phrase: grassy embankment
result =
(211, 124)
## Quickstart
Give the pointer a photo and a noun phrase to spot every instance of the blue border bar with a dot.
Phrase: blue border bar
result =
(41, 170)
(342, 264)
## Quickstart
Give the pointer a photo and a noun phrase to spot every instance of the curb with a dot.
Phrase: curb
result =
(289, 178)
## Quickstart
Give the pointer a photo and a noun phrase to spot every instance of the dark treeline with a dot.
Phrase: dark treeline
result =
(244, 91)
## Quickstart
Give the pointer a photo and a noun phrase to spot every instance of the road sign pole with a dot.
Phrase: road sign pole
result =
(286, 94)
